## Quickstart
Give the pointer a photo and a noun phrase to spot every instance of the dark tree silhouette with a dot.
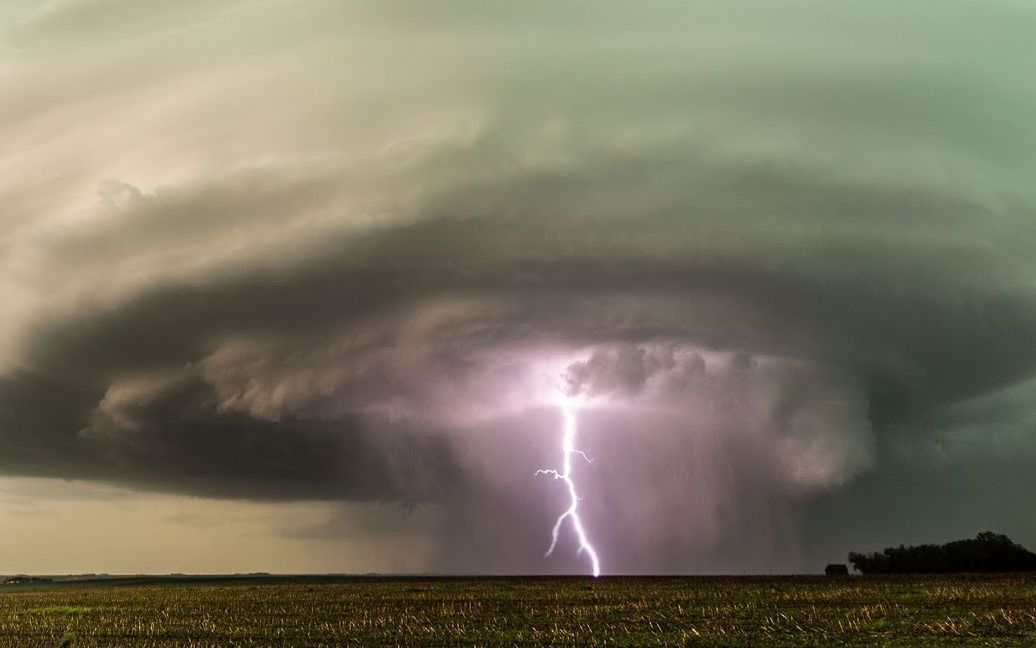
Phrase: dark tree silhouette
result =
(986, 552)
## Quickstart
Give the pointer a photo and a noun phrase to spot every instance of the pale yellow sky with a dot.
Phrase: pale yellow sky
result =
(55, 527)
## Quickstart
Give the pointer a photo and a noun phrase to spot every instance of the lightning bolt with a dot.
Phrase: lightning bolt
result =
(568, 449)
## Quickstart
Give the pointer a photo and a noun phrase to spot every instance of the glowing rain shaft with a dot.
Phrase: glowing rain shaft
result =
(568, 449)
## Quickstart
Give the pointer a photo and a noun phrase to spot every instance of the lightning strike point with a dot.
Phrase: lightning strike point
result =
(568, 439)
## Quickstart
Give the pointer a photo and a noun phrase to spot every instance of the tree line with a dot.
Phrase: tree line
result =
(986, 552)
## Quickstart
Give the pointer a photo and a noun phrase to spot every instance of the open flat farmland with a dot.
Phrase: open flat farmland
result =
(784, 611)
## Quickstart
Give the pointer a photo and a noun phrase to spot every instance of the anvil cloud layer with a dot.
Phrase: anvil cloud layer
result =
(271, 249)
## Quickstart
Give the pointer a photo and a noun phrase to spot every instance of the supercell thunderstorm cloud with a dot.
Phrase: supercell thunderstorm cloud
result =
(770, 266)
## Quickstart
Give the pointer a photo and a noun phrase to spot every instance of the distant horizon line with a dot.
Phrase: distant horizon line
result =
(375, 574)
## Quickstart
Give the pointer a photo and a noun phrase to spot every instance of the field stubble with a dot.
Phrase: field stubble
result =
(702, 611)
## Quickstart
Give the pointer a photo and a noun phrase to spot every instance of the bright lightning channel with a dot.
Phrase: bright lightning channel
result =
(568, 449)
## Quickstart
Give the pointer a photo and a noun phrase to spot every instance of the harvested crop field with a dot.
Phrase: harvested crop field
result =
(705, 611)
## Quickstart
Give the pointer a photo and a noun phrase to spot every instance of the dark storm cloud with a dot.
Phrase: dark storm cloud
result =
(911, 350)
(227, 274)
(176, 440)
